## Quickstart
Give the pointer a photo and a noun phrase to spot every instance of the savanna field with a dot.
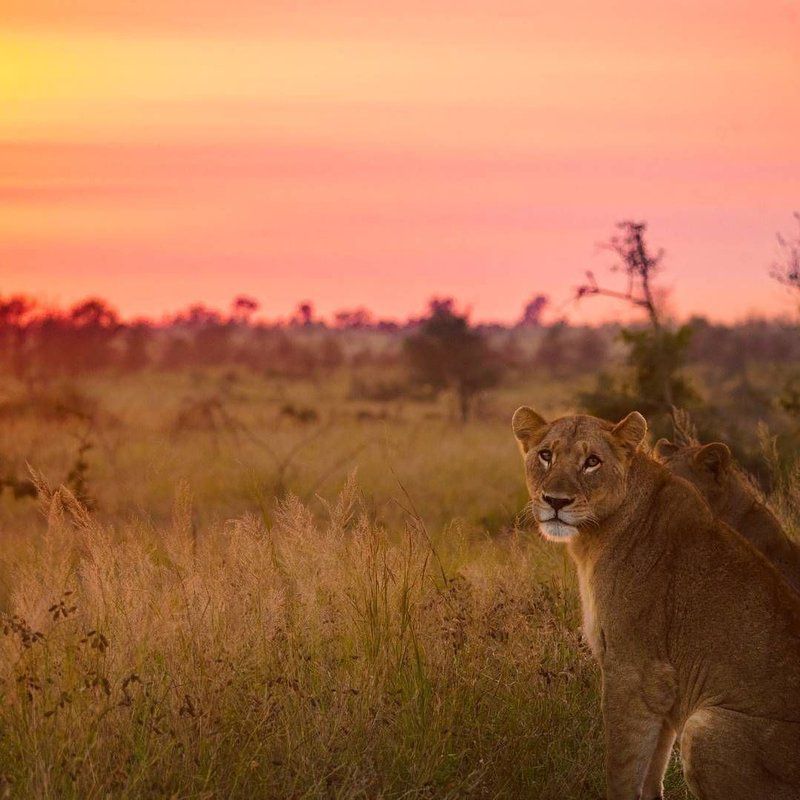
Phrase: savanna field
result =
(219, 584)
(274, 278)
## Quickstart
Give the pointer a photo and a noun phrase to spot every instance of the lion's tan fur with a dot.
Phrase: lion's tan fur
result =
(733, 499)
(696, 635)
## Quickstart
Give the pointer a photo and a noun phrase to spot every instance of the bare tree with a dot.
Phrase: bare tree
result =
(656, 355)
(639, 266)
(787, 269)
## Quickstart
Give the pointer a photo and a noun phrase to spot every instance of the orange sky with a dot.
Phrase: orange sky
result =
(369, 153)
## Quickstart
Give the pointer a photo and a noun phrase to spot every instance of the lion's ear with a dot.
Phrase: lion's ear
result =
(631, 430)
(714, 457)
(525, 423)
(664, 448)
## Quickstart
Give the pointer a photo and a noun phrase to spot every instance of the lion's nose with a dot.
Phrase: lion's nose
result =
(557, 503)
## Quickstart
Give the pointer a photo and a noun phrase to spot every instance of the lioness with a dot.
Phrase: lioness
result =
(696, 635)
(712, 471)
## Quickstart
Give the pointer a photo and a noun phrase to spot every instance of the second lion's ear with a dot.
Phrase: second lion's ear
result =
(631, 430)
(664, 448)
(714, 457)
(525, 423)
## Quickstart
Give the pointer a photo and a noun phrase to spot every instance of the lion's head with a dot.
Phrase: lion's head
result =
(576, 467)
(733, 499)
(710, 469)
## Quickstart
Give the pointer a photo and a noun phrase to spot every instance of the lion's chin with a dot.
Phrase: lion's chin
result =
(556, 530)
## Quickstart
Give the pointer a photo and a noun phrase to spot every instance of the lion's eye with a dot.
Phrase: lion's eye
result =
(546, 456)
(592, 462)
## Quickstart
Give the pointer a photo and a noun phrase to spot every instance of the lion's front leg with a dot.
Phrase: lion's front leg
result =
(632, 734)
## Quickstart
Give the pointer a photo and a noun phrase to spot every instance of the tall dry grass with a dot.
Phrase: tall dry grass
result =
(312, 658)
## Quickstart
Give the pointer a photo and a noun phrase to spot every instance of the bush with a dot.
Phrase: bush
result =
(446, 353)
(655, 383)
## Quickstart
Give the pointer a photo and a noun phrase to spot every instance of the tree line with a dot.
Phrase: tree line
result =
(439, 350)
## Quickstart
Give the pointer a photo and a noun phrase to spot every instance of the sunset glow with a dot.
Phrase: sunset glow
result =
(356, 153)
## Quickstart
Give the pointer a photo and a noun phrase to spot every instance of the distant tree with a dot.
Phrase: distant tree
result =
(201, 337)
(94, 314)
(447, 353)
(354, 319)
(90, 328)
(198, 315)
(177, 353)
(657, 353)
(532, 313)
(303, 314)
(136, 338)
(387, 326)
(80, 340)
(16, 319)
(243, 308)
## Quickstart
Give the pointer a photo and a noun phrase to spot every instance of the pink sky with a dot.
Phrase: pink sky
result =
(365, 153)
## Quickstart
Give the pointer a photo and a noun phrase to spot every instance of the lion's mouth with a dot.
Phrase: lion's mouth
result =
(557, 530)
(565, 516)
(557, 526)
